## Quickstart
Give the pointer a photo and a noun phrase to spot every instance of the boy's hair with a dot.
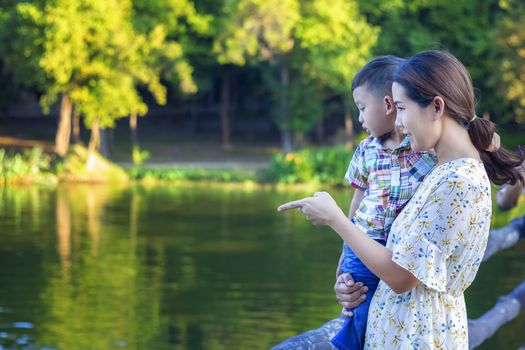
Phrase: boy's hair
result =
(377, 75)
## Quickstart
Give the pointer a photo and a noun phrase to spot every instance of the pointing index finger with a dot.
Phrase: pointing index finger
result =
(291, 205)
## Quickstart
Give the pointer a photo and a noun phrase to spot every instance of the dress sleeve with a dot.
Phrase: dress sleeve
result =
(357, 173)
(423, 246)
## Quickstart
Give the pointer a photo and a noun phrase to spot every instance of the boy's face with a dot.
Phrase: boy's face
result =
(376, 115)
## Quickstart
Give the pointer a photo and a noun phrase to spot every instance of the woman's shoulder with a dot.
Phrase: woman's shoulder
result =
(464, 171)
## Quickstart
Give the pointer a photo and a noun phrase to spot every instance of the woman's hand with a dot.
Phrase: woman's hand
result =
(348, 293)
(321, 209)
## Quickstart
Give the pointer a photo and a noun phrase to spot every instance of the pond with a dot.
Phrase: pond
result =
(98, 267)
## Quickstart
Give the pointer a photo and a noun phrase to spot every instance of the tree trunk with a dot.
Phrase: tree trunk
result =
(316, 339)
(194, 116)
(133, 131)
(506, 309)
(94, 143)
(76, 128)
(499, 239)
(225, 109)
(319, 130)
(299, 139)
(349, 124)
(286, 135)
(105, 142)
(63, 134)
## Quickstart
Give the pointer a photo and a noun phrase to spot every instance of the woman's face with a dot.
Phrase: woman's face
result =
(416, 122)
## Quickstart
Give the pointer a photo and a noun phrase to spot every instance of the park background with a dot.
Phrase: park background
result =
(146, 144)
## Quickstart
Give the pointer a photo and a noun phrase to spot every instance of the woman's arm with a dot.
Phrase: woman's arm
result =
(375, 256)
(323, 210)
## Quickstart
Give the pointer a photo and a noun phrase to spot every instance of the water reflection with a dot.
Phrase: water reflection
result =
(92, 267)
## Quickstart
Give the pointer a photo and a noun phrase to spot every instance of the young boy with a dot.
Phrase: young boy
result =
(385, 173)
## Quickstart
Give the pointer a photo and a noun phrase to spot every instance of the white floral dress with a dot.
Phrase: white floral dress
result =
(440, 237)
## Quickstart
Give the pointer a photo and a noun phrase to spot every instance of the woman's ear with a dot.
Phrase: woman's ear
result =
(438, 105)
(390, 107)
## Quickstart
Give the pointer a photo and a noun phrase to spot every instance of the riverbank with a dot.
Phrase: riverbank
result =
(309, 167)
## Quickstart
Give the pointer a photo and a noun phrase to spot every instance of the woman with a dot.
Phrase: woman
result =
(436, 244)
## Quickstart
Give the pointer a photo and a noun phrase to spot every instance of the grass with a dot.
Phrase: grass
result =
(192, 174)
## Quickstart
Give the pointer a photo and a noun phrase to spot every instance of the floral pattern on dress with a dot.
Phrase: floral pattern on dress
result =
(440, 237)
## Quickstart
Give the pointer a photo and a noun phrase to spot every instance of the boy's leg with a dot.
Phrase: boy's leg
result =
(352, 334)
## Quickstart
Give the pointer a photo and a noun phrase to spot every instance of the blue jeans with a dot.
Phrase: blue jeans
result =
(519, 224)
(352, 334)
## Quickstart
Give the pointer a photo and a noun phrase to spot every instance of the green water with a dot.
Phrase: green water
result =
(94, 267)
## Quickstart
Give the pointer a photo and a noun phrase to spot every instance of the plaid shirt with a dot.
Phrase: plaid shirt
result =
(389, 178)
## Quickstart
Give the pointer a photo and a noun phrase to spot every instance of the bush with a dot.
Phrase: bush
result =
(31, 166)
(192, 174)
(139, 156)
(326, 166)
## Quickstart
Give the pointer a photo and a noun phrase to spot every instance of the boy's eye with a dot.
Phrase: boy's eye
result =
(400, 108)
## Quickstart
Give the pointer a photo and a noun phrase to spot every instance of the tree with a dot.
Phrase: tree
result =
(324, 40)
(511, 38)
(467, 28)
(337, 41)
(251, 30)
(180, 24)
(89, 55)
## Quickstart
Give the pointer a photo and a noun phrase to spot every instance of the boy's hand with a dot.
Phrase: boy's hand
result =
(348, 293)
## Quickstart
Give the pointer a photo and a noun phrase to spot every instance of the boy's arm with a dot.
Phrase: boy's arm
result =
(356, 201)
(354, 205)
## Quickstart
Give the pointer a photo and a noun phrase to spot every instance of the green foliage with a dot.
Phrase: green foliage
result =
(104, 54)
(511, 37)
(139, 156)
(21, 34)
(98, 52)
(325, 166)
(467, 28)
(173, 28)
(319, 44)
(31, 166)
(256, 29)
(192, 174)
(337, 41)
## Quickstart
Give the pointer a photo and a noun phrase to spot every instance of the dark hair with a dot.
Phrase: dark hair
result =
(377, 75)
(437, 73)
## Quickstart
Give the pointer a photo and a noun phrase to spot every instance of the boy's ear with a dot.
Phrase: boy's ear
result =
(389, 105)
(438, 106)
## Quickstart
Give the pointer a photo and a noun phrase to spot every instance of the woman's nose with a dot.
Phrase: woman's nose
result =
(399, 123)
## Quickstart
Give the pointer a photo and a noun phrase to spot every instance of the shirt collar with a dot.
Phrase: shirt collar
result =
(402, 146)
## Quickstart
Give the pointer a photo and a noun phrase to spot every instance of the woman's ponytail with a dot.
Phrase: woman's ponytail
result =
(502, 166)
